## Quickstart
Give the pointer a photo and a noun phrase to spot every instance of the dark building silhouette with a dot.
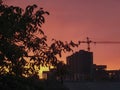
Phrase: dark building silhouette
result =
(80, 64)
(82, 68)
(114, 75)
(99, 72)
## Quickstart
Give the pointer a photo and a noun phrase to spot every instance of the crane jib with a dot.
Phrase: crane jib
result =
(88, 41)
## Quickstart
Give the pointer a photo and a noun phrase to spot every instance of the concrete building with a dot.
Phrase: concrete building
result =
(99, 72)
(81, 65)
(114, 75)
(81, 68)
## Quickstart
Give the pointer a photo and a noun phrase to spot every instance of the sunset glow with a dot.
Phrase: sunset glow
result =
(77, 19)
(41, 71)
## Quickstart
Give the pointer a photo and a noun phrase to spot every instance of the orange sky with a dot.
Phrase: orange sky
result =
(77, 19)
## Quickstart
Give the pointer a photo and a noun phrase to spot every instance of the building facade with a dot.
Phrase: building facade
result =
(80, 65)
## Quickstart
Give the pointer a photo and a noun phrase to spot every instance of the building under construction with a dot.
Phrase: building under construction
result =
(80, 65)
(82, 68)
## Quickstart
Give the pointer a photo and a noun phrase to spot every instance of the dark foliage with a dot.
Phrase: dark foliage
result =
(23, 44)
(18, 36)
(61, 71)
(10, 82)
(23, 48)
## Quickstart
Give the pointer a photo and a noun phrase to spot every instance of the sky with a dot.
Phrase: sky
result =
(77, 19)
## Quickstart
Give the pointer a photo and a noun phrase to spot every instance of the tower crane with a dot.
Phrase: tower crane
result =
(88, 41)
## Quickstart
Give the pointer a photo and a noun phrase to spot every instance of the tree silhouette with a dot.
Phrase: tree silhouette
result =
(23, 44)
(18, 35)
(61, 71)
